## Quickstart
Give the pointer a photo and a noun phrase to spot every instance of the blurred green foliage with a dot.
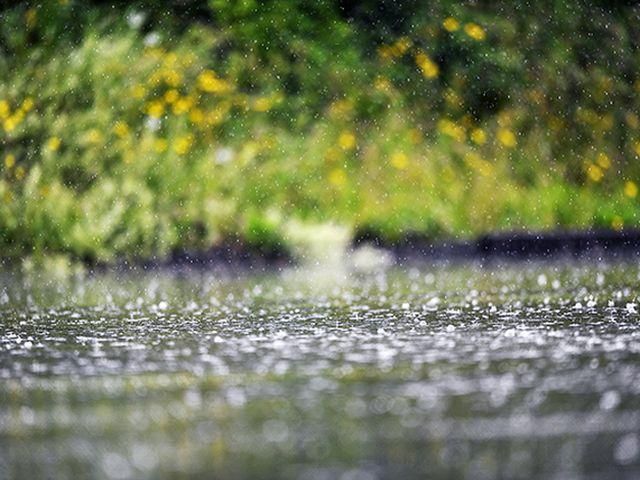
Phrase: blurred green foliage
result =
(135, 129)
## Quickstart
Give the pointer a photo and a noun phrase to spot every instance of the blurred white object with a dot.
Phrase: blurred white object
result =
(369, 259)
(136, 19)
(223, 155)
(152, 39)
(153, 124)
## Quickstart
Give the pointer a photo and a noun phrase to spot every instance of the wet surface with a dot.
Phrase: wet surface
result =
(512, 371)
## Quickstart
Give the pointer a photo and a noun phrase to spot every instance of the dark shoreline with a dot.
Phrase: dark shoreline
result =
(237, 256)
(505, 246)
(230, 256)
(513, 246)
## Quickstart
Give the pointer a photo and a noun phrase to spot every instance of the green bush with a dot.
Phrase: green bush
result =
(132, 130)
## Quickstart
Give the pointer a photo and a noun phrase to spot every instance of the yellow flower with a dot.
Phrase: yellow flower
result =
(396, 50)
(170, 59)
(450, 24)
(30, 17)
(155, 109)
(9, 161)
(215, 117)
(139, 91)
(453, 99)
(154, 52)
(603, 161)
(20, 173)
(505, 118)
(402, 45)
(507, 138)
(160, 145)
(53, 144)
(477, 163)
(478, 136)
(385, 52)
(154, 79)
(209, 82)
(399, 160)
(10, 124)
(415, 136)
(337, 177)
(121, 129)
(93, 136)
(451, 129)
(617, 223)
(262, 104)
(183, 145)
(188, 59)
(347, 140)
(171, 96)
(27, 104)
(594, 172)
(5, 109)
(332, 155)
(196, 116)
(172, 78)
(630, 189)
(182, 105)
(429, 68)
(381, 84)
(341, 108)
(475, 31)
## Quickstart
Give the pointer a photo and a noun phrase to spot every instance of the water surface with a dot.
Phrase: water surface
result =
(468, 371)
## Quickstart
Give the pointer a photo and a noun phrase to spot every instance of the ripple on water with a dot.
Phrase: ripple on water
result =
(522, 371)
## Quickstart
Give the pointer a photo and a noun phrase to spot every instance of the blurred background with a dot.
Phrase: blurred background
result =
(137, 129)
